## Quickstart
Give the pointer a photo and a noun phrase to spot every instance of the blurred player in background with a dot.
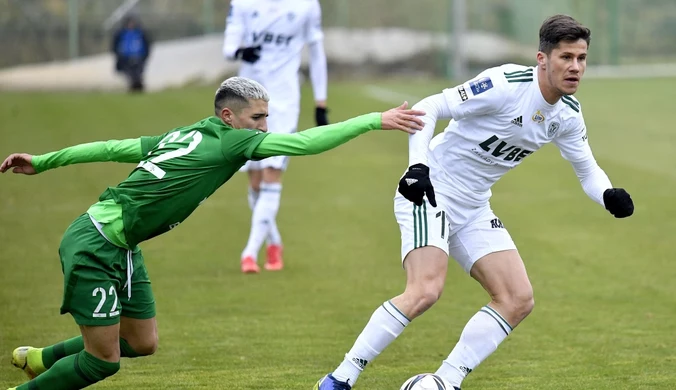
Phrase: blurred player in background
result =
(106, 284)
(268, 37)
(443, 206)
(131, 46)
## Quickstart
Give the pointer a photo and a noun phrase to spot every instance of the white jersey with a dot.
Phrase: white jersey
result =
(282, 28)
(499, 119)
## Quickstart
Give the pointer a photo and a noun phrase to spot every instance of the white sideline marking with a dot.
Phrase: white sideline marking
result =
(391, 96)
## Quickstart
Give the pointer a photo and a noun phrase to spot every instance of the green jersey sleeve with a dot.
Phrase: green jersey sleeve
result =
(128, 151)
(149, 143)
(318, 139)
(238, 145)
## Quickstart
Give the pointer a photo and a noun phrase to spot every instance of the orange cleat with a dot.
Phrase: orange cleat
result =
(274, 262)
(249, 265)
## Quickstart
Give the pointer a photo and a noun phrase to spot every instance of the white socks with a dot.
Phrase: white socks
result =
(480, 338)
(385, 325)
(274, 237)
(263, 225)
(252, 197)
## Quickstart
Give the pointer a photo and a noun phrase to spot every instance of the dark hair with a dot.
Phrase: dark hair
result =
(561, 28)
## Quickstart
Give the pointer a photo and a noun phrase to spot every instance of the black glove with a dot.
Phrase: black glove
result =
(618, 202)
(320, 116)
(416, 183)
(249, 54)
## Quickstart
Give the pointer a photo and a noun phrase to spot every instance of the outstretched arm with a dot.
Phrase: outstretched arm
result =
(323, 138)
(128, 150)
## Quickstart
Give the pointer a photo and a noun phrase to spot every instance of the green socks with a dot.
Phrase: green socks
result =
(51, 355)
(66, 365)
(73, 372)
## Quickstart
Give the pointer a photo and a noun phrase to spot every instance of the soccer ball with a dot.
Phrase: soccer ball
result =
(426, 382)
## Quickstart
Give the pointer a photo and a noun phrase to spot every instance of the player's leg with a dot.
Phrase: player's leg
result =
(138, 337)
(424, 234)
(263, 221)
(99, 360)
(138, 329)
(500, 270)
(272, 190)
(91, 285)
(284, 109)
(255, 173)
(255, 178)
(35, 361)
(138, 325)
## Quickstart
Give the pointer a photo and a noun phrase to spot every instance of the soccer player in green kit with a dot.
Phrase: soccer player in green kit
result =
(106, 285)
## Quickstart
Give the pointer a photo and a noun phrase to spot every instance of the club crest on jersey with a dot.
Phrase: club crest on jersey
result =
(538, 117)
(480, 86)
(552, 129)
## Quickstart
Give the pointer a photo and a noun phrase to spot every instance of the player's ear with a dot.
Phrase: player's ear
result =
(542, 60)
(227, 115)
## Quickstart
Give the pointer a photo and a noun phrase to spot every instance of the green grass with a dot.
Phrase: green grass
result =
(604, 288)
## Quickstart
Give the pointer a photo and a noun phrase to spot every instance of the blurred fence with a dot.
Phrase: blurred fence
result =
(624, 31)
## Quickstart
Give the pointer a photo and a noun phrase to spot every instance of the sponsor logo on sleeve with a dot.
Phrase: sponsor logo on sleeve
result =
(463, 93)
(481, 85)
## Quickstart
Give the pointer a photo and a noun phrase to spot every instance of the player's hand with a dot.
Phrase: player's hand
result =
(399, 118)
(320, 116)
(416, 183)
(21, 162)
(249, 54)
(618, 202)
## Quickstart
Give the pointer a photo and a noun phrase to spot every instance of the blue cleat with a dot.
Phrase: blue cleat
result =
(330, 383)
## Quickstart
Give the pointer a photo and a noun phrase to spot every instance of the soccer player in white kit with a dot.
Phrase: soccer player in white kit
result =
(268, 36)
(442, 206)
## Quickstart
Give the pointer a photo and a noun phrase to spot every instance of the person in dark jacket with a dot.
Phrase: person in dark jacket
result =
(131, 45)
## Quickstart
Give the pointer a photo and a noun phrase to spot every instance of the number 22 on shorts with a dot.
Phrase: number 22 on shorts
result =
(113, 309)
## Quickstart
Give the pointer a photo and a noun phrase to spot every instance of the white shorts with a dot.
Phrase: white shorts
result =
(276, 162)
(464, 234)
(281, 119)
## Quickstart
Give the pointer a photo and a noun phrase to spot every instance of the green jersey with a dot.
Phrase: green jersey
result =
(180, 169)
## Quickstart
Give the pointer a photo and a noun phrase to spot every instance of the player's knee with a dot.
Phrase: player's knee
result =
(425, 296)
(96, 369)
(519, 304)
(148, 345)
(430, 296)
(524, 304)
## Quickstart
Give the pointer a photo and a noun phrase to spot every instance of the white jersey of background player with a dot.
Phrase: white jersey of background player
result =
(499, 119)
(268, 36)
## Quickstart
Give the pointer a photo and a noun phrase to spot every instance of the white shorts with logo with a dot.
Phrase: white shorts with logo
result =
(464, 234)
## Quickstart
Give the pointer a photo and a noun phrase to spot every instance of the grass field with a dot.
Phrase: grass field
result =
(604, 288)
